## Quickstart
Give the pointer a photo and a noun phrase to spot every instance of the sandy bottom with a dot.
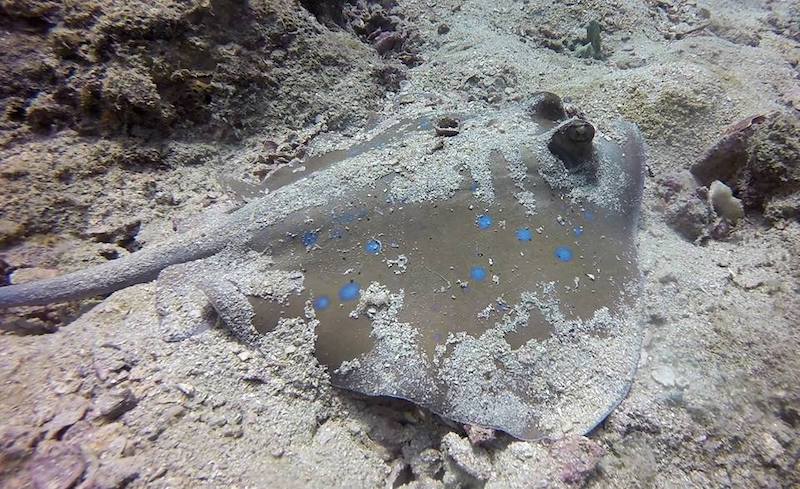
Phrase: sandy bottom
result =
(105, 402)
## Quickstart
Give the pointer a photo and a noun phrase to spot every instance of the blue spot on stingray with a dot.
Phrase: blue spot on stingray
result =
(563, 253)
(337, 233)
(350, 216)
(322, 302)
(350, 292)
(484, 222)
(578, 231)
(588, 215)
(373, 247)
(524, 234)
(425, 125)
(474, 186)
(310, 238)
(478, 273)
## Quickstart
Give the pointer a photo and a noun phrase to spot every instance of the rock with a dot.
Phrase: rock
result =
(129, 95)
(584, 51)
(438, 145)
(121, 231)
(724, 203)
(787, 408)
(109, 360)
(113, 405)
(388, 41)
(473, 461)
(577, 457)
(664, 375)
(217, 421)
(728, 155)
(68, 416)
(721, 230)
(426, 463)
(116, 473)
(686, 209)
(773, 166)
(759, 159)
(10, 231)
(119, 446)
(792, 98)
(167, 418)
(60, 467)
(45, 113)
(786, 207)
(23, 275)
(478, 435)
(729, 29)
(16, 442)
(5, 272)
(443, 29)
(187, 389)
(690, 217)
(447, 126)
(769, 449)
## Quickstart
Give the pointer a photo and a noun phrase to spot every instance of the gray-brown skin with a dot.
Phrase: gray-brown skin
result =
(505, 347)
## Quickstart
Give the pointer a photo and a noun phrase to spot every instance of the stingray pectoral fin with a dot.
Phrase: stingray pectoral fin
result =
(234, 310)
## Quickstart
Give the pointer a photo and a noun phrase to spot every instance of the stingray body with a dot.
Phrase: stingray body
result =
(493, 282)
(507, 302)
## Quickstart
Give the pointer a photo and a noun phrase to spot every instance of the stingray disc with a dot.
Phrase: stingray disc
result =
(490, 285)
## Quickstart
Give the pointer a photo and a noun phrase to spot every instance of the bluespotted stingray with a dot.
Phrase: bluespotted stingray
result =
(491, 278)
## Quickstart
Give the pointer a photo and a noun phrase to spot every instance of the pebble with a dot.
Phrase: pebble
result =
(159, 473)
(218, 421)
(233, 432)
(187, 389)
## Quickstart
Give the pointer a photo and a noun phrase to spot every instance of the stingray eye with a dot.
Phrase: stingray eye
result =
(572, 144)
(580, 132)
(548, 106)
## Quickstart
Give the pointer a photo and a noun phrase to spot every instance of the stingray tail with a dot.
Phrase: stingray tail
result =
(142, 266)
